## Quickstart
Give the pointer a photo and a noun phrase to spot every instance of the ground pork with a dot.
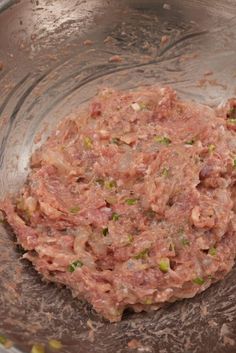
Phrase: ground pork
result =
(131, 202)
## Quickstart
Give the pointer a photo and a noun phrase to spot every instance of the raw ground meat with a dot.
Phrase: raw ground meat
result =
(131, 203)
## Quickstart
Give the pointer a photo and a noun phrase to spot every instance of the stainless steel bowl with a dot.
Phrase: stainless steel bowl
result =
(49, 72)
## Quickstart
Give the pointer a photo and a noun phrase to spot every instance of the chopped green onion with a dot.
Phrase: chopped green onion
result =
(165, 172)
(105, 231)
(5, 342)
(232, 113)
(234, 163)
(38, 348)
(162, 139)
(130, 239)
(142, 105)
(212, 251)
(55, 344)
(184, 241)
(190, 142)
(2, 219)
(74, 265)
(88, 142)
(142, 254)
(74, 210)
(211, 148)
(231, 121)
(110, 184)
(164, 265)
(148, 301)
(199, 281)
(3, 339)
(115, 216)
(131, 202)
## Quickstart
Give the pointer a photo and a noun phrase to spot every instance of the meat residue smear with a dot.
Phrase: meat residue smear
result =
(131, 203)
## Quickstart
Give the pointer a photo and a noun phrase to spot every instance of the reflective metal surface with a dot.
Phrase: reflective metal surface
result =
(48, 70)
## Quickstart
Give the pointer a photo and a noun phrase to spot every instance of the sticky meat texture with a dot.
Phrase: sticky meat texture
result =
(131, 203)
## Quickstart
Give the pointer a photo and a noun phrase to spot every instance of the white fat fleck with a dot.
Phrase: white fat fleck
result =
(222, 128)
(212, 323)
(104, 132)
(199, 144)
(136, 107)
(224, 330)
(90, 325)
(166, 7)
(144, 349)
(57, 132)
(106, 209)
(221, 105)
(125, 290)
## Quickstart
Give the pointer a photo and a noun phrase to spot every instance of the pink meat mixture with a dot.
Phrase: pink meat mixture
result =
(131, 203)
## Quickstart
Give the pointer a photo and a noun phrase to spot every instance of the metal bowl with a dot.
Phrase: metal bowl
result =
(49, 69)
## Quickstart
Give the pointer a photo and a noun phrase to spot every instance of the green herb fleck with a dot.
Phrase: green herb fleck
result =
(115, 216)
(110, 184)
(212, 251)
(142, 254)
(190, 142)
(130, 239)
(232, 113)
(38, 348)
(234, 163)
(163, 140)
(198, 280)
(164, 265)
(3, 339)
(88, 143)
(138, 106)
(184, 241)
(131, 202)
(55, 344)
(74, 265)
(211, 148)
(231, 121)
(165, 172)
(74, 209)
(148, 301)
(105, 231)
(142, 105)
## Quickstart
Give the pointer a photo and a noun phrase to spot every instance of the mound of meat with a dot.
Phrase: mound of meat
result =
(131, 203)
